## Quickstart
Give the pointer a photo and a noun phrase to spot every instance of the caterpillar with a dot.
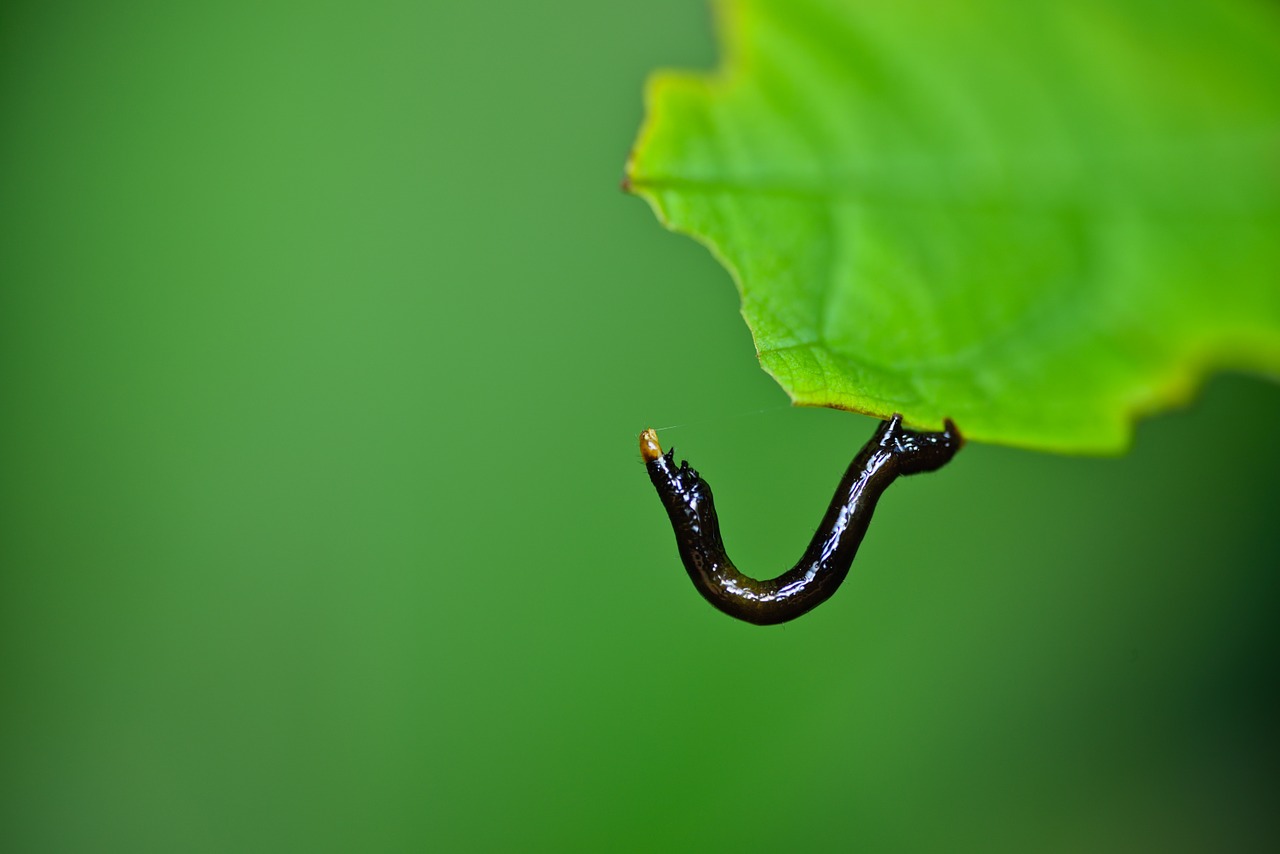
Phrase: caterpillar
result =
(892, 452)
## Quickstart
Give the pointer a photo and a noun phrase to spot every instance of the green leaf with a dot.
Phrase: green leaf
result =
(1040, 220)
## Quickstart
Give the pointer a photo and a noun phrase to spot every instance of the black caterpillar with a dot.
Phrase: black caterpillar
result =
(892, 452)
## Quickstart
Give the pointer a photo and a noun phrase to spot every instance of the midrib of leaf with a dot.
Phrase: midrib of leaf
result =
(881, 193)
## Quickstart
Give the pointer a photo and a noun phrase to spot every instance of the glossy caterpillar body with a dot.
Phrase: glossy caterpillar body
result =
(892, 452)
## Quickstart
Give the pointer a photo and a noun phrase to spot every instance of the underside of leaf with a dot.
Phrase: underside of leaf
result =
(1039, 220)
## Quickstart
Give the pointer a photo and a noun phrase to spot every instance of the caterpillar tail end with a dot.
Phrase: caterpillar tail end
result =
(949, 429)
(650, 450)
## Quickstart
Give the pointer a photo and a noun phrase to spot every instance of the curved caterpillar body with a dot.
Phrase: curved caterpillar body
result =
(892, 452)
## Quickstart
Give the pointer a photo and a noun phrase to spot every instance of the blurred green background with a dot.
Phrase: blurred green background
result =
(326, 337)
